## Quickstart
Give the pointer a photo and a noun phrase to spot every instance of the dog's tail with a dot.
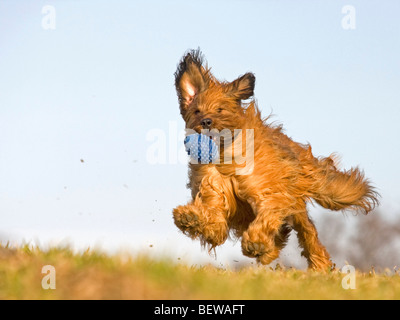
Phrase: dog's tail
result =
(339, 190)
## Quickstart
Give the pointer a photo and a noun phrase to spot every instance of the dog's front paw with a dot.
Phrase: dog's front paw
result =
(264, 253)
(260, 247)
(187, 219)
(253, 249)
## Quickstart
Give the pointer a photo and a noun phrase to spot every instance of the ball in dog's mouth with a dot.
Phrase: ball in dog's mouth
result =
(201, 148)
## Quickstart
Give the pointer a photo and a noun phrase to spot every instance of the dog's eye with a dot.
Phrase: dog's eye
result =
(197, 111)
(219, 110)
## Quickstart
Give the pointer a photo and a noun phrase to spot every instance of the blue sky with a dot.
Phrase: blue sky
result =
(94, 87)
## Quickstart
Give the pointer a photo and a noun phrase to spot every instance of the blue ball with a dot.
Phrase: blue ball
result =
(201, 148)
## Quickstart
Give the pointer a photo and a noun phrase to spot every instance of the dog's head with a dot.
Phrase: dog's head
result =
(205, 102)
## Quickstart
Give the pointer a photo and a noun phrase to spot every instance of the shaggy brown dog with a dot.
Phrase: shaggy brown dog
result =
(263, 204)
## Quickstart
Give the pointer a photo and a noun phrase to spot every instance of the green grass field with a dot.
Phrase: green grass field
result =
(93, 275)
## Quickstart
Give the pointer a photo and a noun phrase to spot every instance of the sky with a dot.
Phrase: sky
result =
(87, 94)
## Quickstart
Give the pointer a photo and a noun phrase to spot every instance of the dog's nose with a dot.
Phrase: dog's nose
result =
(206, 123)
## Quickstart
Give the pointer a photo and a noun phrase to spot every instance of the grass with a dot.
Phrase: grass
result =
(94, 275)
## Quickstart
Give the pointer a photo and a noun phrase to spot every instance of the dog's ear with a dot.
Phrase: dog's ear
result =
(243, 87)
(191, 78)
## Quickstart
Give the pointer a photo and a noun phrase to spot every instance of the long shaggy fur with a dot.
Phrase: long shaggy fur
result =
(263, 206)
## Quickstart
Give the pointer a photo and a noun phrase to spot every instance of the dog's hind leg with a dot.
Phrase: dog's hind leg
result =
(315, 253)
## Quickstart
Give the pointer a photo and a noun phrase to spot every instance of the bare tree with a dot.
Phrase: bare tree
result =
(364, 241)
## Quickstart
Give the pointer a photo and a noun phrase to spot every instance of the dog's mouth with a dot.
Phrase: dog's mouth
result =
(213, 134)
